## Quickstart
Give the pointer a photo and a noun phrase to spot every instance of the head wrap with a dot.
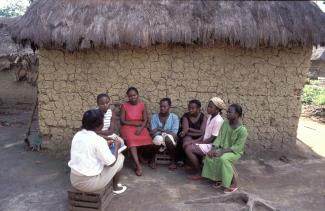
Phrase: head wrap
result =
(218, 102)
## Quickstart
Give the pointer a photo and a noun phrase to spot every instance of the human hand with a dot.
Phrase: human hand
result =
(138, 131)
(215, 153)
(182, 134)
(211, 153)
(117, 144)
(109, 142)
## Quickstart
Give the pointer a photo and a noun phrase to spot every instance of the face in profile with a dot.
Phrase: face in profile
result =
(164, 107)
(133, 96)
(211, 109)
(103, 104)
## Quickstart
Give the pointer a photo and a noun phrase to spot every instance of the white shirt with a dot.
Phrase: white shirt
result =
(89, 153)
(213, 126)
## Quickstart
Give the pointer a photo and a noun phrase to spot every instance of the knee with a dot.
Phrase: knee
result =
(223, 159)
(158, 140)
(188, 149)
(121, 157)
(169, 143)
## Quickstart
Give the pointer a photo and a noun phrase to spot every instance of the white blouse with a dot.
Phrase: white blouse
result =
(89, 153)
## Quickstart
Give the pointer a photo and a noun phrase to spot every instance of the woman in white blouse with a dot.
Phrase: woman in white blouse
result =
(92, 163)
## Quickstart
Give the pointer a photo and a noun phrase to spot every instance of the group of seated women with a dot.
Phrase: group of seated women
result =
(210, 144)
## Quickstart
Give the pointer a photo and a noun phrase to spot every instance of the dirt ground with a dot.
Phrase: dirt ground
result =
(37, 181)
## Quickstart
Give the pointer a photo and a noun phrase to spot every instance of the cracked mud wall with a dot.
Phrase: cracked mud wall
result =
(266, 82)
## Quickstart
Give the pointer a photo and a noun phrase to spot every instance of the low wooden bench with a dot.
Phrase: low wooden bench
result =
(163, 158)
(81, 201)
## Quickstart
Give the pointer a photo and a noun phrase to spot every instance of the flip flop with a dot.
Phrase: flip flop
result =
(195, 177)
(217, 185)
(172, 167)
(152, 165)
(230, 190)
(123, 189)
(138, 172)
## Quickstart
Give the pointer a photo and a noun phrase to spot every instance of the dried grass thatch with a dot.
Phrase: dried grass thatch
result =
(75, 24)
(7, 46)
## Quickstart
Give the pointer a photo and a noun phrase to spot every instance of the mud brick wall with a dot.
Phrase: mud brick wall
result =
(266, 82)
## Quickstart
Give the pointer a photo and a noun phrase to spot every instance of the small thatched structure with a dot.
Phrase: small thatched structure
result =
(12, 56)
(253, 53)
(317, 66)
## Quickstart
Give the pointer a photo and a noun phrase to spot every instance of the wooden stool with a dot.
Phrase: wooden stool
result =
(81, 201)
(163, 158)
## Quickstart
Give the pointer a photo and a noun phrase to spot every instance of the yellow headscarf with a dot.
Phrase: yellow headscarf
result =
(219, 103)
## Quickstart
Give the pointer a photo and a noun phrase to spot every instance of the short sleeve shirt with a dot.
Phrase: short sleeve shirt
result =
(89, 153)
(213, 126)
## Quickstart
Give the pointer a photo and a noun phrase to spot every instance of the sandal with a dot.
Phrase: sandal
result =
(121, 190)
(217, 185)
(230, 190)
(195, 177)
(172, 167)
(138, 172)
(152, 165)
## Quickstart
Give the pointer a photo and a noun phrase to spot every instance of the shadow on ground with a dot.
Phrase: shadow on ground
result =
(36, 181)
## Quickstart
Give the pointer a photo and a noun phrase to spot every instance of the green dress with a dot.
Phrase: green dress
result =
(220, 168)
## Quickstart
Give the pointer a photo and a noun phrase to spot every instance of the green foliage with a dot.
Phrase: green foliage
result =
(13, 9)
(313, 95)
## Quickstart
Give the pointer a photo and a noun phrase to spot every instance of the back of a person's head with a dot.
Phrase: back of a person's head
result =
(92, 119)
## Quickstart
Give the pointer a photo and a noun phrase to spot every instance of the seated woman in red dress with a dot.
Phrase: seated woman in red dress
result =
(134, 119)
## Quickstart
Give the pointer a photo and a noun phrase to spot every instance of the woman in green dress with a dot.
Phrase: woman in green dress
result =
(227, 148)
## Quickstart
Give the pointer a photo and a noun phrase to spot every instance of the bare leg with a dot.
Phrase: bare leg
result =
(172, 152)
(134, 153)
(152, 150)
(194, 162)
(116, 180)
(186, 139)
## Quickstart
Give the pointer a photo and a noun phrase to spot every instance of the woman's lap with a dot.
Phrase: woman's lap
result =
(132, 140)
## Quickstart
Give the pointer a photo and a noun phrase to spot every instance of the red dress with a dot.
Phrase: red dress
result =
(134, 113)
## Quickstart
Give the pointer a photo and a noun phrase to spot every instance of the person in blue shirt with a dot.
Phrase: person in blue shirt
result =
(164, 128)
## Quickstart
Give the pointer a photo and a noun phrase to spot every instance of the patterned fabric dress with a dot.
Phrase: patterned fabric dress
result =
(134, 113)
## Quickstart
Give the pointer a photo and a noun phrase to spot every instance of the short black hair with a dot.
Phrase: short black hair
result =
(132, 88)
(238, 109)
(197, 102)
(167, 99)
(101, 96)
(92, 119)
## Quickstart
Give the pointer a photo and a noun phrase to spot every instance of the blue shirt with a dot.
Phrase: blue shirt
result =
(171, 124)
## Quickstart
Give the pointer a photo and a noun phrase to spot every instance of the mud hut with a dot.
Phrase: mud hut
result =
(253, 53)
(317, 66)
(17, 66)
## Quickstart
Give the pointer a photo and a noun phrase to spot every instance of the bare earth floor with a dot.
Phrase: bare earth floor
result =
(37, 181)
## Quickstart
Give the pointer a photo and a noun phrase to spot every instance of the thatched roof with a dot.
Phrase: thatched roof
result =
(318, 54)
(7, 46)
(75, 24)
